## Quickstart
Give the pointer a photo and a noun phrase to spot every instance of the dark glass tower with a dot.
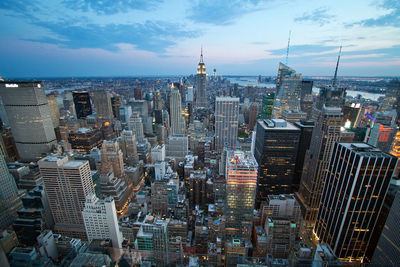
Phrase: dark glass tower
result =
(82, 103)
(275, 151)
(356, 184)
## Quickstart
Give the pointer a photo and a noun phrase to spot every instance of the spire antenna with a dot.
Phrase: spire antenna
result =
(287, 50)
(201, 54)
(337, 66)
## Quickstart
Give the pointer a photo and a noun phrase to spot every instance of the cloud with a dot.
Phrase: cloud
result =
(108, 7)
(390, 19)
(222, 12)
(305, 50)
(319, 16)
(154, 36)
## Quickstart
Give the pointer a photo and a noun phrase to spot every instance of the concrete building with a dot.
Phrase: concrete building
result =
(176, 118)
(136, 126)
(226, 122)
(201, 94)
(129, 149)
(102, 103)
(54, 110)
(101, 220)
(177, 147)
(29, 116)
(112, 159)
(67, 183)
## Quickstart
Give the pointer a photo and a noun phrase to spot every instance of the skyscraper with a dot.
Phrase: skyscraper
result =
(201, 98)
(241, 182)
(356, 184)
(9, 199)
(29, 116)
(112, 159)
(54, 110)
(101, 220)
(102, 102)
(392, 96)
(226, 122)
(177, 120)
(276, 152)
(267, 106)
(67, 183)
(83, 107)
(136, 126)
(253, 112)
(325, 133)
(288, 91)
(129, 149)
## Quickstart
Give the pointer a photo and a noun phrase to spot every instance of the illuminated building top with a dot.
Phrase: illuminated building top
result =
(201, 67)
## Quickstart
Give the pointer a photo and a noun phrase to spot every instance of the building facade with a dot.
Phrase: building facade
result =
(226, 122)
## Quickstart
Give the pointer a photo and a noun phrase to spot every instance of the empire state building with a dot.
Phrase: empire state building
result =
(201, 100)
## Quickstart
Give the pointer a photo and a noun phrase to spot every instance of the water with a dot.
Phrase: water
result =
(365, 95)
(245, 81)
(61, 90)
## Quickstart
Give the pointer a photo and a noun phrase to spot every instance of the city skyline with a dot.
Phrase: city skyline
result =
(90, 38)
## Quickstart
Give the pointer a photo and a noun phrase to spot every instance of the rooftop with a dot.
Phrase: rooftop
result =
(277, 124)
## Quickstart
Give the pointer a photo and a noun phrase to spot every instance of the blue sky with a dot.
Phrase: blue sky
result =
(42, 38)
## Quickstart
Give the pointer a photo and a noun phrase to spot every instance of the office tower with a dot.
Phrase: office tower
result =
(112, 159)
(118, 190)
(356, 184)
(102, 102)
(159, 197)
(129, 149)
(125, 113)
(197, 189)
(177, 147)
(83, 107)
(281, 236)
(267, 105)
(381, 136)
(54, 110)
(85, 139)
(253, 113)
(307, 104)
(306, 129)
(316, 162)
(158, 153)
(3, 116)
(29, 116)
(176, 118)
(293, 116)
(283, 206)
(306, 88)
(10, 201)
(67, 183)
(138, 93)
(116, 103)
(158, 102)
(136, 126)
(288, 91)
(352, 115)
(101, 220)
(331, 97)
(226, 122)
(34, 217)
(276, 152)
(201, 95)
(241, 182)
(392, 96)
(387, 249)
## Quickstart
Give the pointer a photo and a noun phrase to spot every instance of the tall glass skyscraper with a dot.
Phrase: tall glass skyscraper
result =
(83, 107)
(356, 184)
(29, 115)
(241, 183)
(226, 122)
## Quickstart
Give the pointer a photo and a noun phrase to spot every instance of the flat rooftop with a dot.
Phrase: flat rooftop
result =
(278, 125)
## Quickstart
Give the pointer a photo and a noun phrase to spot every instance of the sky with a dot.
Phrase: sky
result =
(72, 38)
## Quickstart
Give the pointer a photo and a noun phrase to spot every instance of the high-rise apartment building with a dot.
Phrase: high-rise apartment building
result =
(29, 117)
(67, 183)
(101, 220)
(288, 91)
(177, 120)
(226, 122)
(201, 98)
(241, 182)
(129, 149)
(357, 181)
(136, 126)
(102, 102)
(83, 107)
(276, 153)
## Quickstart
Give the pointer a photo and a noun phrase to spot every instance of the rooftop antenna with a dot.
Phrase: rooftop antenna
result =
(287, 50)
(201, 54)
(337, 65)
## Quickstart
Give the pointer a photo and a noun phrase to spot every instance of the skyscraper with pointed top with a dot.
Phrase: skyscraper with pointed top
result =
(201, 99)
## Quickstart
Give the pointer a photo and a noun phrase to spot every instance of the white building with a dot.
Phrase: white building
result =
(158, 153)
(101, 221)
